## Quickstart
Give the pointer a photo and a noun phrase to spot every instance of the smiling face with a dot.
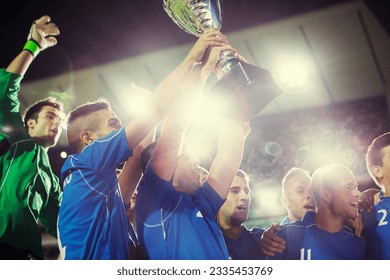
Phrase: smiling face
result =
(336, 192)
(46, 129)
(344, 196)
(236, 207)
(297, 198)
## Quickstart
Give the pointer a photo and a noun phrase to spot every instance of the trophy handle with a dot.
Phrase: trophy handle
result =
(227, 61)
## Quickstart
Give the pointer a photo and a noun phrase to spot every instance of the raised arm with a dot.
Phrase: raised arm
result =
(229, 156)
(40, 38)
(132, 171)
(184, 106)
(160, 102)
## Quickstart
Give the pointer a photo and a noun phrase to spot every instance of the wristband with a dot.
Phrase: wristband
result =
(32, 47)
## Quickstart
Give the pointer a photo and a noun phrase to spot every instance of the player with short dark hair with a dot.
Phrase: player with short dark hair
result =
(92, 222)
(176, 213)
(376, 229)
(242, 243)
(29, 191)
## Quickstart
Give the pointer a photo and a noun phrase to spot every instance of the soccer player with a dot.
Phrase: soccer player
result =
(297, 199)
(321, 235)
(376, 229)
(92, 222)
(29, 191)
(296, 195)
(175, 214)
(242, 243)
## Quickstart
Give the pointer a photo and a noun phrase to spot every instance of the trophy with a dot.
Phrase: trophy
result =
(247, 89)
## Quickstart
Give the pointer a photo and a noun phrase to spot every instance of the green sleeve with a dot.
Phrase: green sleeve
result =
(49, 214)
(9, 104)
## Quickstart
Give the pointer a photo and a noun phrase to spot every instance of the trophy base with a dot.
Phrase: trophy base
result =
(245, 91)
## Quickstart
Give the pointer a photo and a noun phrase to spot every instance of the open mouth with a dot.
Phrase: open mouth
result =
(242, 207)
(309, 206)
(354, 204)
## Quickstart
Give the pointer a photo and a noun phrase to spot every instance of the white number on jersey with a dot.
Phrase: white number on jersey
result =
(303, 254)
(382, 221)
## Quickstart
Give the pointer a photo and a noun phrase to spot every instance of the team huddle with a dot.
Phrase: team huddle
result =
(161, 204)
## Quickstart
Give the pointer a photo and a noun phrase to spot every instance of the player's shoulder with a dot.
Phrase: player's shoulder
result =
(293, 228)
(254, 231)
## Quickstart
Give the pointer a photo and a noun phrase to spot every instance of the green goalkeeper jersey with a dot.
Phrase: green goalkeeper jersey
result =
(29, 191)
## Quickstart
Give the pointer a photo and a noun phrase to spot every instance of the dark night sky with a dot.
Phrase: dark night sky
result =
(95, 32)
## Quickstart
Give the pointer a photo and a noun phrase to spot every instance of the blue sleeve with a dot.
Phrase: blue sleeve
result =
(257, 233)
(208, 200)
(156, 191)
(105, 154)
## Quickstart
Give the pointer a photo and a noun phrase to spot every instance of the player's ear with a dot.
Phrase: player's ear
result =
(377, 171)
(86, 137)
(31, 123)
(284, 201)
(325, 194)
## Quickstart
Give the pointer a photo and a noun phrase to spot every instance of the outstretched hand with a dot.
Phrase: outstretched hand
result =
(42, 31)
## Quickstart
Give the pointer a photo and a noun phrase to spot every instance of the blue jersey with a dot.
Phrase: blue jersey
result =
(176, 225)
(246, 246)
(305, 241)
(92, 222)
(376, 230)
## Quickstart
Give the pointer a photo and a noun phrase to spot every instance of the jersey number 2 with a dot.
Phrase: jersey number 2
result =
(382, 221)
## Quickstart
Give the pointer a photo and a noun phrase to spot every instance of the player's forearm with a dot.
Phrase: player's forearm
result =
(229, 156)
(132, 170)
(21, 63)
(162, 95)
(166, 155)
(130, 176)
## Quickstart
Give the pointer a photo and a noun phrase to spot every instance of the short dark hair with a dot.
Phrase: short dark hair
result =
(87, 109)
(241, 173)
(82, 111)
(33, 110)
(374, 155)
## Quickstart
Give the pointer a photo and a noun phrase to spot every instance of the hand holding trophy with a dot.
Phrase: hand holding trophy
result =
(246, 88)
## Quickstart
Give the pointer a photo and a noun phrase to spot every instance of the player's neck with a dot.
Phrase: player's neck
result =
(230, 231)
(386, 189)
(328, 222)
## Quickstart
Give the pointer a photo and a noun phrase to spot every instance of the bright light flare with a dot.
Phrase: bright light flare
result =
(327, 156)
(198, 145)
(137, 104)
(293, 71)
(267, 200)
(206, 121)
(136, 101)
